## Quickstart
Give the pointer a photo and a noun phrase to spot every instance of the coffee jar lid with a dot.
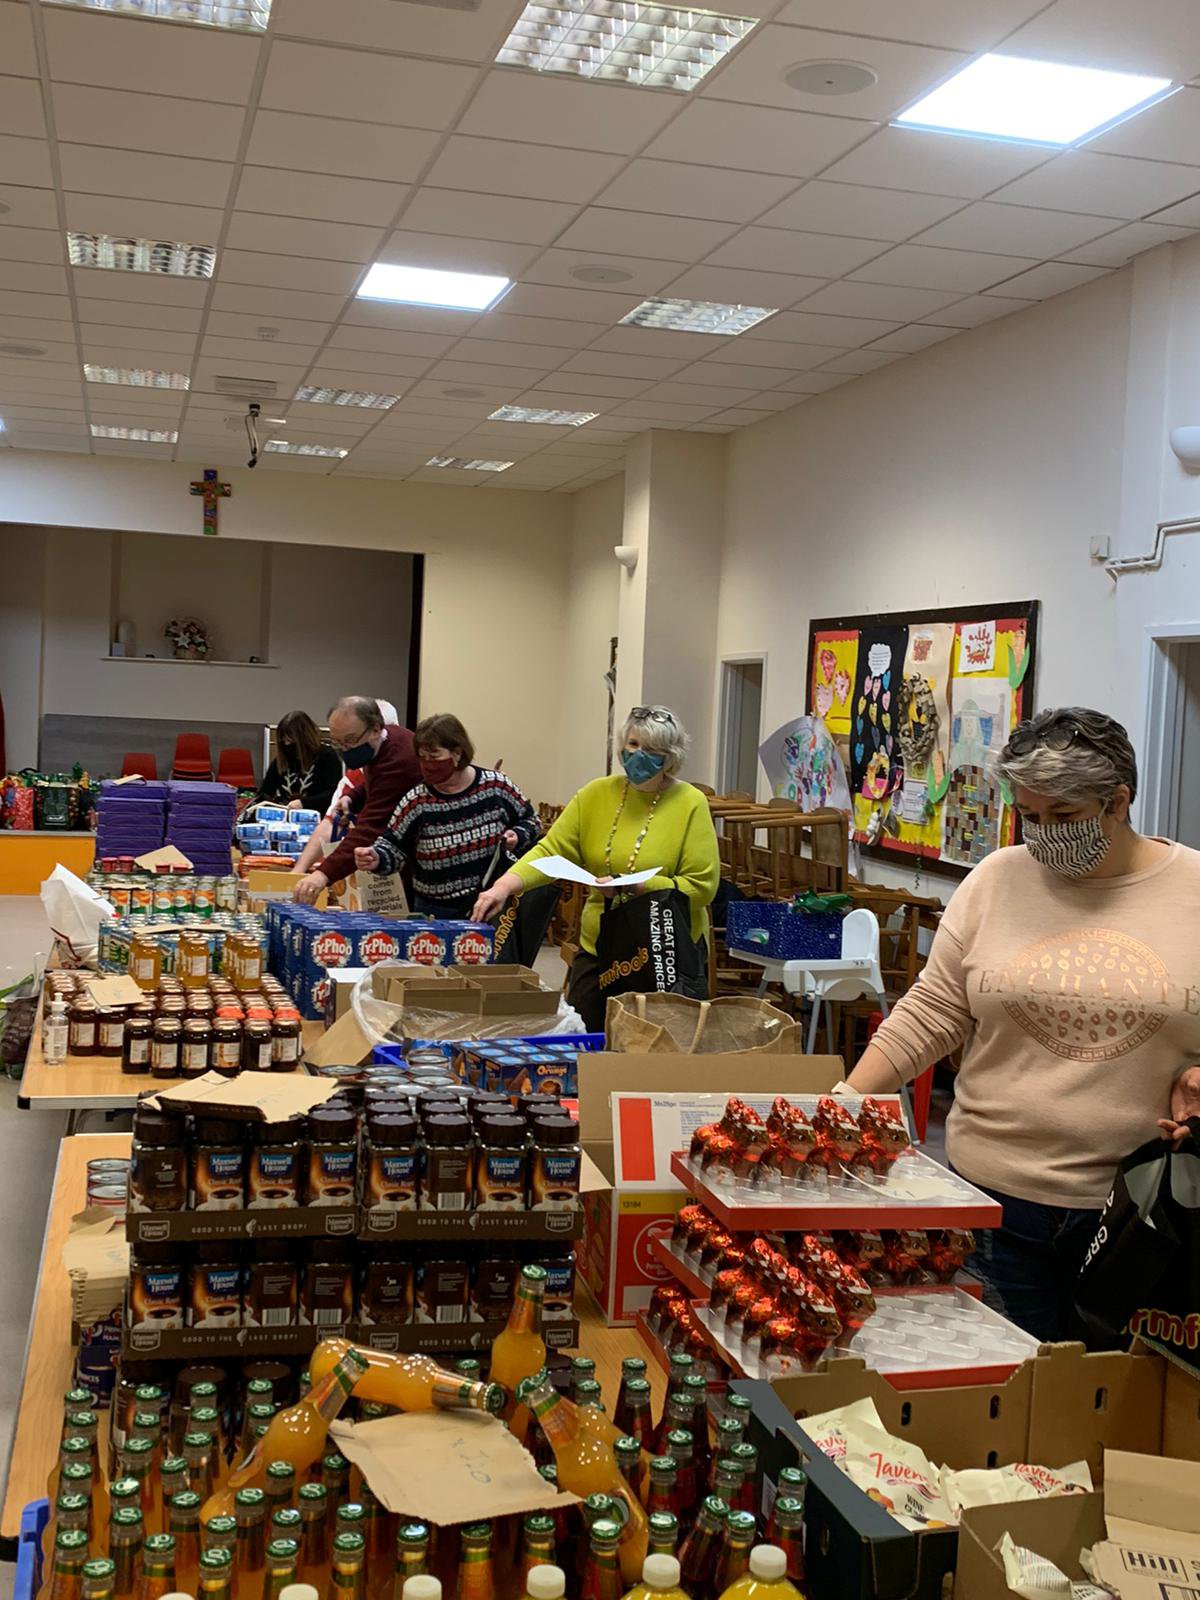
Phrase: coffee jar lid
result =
(279, 1132)
(448, 1130)
(503, 1130)
(555, 1131)
(157, 1127)
(393, 1128)
(218, 1130)
(332, 1122)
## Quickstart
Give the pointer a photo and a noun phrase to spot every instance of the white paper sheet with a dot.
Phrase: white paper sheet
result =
(559, 867)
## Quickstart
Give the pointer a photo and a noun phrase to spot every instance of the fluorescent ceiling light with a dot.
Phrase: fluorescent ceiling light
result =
(554, 419)
(141, 255)
(136, 377)
(247, 16)
(696, 316)
(142, 435)
(468, 464)
(430, 286)
(347, 397)
(282, 448)
(1035, 102)
(652, 46)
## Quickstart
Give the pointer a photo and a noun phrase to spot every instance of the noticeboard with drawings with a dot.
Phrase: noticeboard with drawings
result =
(920, 704)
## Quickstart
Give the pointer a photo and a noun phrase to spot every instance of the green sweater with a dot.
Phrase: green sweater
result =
(680, 842)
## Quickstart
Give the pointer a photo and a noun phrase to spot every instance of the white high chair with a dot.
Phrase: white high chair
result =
(850, 976)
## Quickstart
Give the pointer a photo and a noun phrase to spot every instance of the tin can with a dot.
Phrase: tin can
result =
(141, 899)
(163, 900)
(204, 898)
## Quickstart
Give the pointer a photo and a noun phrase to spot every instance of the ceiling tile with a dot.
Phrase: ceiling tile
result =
(939, 22)
(979, 308)
(699, 394)
(141, 289)
(497, 166)
(159, 341)
(364, 87)
(919, 266)
(153, 122)
(570, 334)
(645, 277)
(332, 145)
(329, 374)
(33, 330)
(28, 208)
(740, 286)
(293, 236)
(539, 300)
(1116, 248)
(879, 300)
(125, 313)
(241, 325)
(935, 163)
(1014, 229)
(774, 399)
(123, 53)
(860, 361)
(1115, 186)
(621, 364)
(399, 341)
(600, 385)
(914, 337)
(492, 394)
(21, 107)
(643, 234)
(729, 374)
(677, 189)
(470, 34)
(1158, 37)
(661, 411)
(266, 302)
(777, 353)
(541, 109)
(757, 139)
(858, 212)
(1052, 277)
(487, 216)
(845, 333)
(502, 352)
(1168, 131)
(32, 244)
(288, 272)
(54, 307)
(278, 192)
(659, 342)
(818, 255)
(25, 161)
(140, 176)
(736, 416)
(142, 219)
(463, 255)
(815, 382)
(754, 73)
(16, 40)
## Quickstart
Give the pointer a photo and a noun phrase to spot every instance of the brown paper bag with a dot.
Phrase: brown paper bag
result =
(644, 1024)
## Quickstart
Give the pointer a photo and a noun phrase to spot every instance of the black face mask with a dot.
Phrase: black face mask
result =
(360, 755)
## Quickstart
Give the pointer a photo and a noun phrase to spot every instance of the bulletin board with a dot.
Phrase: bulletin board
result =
(920, 705)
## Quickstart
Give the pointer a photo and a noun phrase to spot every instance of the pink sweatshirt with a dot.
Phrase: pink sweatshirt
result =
(1078, 1004)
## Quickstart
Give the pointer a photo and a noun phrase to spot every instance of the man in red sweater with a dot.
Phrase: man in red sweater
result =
(388, 760)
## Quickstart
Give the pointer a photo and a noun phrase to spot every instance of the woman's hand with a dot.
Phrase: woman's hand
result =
(309, 887)
(1185, 1103)
(296, 803)
(510, 840)
(366, 858)
(606, 887)
(490, 903)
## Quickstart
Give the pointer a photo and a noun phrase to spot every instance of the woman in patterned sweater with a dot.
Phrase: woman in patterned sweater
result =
(450, 826)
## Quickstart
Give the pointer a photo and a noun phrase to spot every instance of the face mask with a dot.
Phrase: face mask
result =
(1072, 849)
(360, 755)
(438, 771)
(640, 766)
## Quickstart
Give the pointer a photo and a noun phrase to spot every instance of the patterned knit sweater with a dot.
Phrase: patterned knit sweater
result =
(450, 838)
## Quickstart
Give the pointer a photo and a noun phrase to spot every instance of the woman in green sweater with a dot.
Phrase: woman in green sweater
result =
(643, 817)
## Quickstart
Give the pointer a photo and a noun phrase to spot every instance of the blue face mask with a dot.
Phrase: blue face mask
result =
(641, 766)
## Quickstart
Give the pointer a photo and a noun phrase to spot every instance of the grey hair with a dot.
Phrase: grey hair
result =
(366, 710)
(1093, 767)
(660, 730)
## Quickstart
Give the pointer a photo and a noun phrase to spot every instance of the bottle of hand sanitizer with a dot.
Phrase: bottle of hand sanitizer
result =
(54, 1033)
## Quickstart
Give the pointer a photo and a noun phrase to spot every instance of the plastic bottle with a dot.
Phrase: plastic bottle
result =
(421, 1586)
(65, 1580)
(216, 1574)
(601, 1576)
(660, 1580)
(520, 1350)
(411, 1383)
(347, 1576)
(55, 1028)
(476, 1580)
(538, 1546)
(543, 1583)
(766, 1578)
(735, 1553)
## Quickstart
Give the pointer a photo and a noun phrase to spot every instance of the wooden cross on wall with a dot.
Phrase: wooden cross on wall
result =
(213, 491)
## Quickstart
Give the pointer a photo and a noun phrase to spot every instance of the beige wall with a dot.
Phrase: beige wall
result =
(590, 626)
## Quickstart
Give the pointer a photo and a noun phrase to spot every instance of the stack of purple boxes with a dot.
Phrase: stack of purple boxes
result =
(130, 818)
(200, 819)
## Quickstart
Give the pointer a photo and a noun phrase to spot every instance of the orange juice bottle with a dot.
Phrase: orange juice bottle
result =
(476, 1580)
(157, 1577)
(65, 1581)
(586, 1465)
(125, 1548)
(660, 1580)
(766, 1578)
(411, 1383)
(520, 1350)
(184, 1517)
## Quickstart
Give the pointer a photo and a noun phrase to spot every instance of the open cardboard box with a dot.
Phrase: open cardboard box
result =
(620, 1221)
(1060, 1406)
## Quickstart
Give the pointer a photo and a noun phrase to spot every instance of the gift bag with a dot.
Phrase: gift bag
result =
(652, 1024)
(1141, 1276)
(645, 946)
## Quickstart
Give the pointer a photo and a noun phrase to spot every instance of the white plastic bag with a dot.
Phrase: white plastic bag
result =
(75, 912)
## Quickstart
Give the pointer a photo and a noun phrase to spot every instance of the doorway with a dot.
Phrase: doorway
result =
(1170, 746)
(741, 724)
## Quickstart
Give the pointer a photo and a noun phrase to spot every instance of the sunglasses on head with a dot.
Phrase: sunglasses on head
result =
(1058, 735)
(650, 714)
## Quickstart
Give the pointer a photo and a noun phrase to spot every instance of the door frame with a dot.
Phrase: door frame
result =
(721, 779)
(1162, 714)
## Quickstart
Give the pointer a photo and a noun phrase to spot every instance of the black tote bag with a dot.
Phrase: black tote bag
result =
(1142, 1273)
(645, 946)
(523, 924)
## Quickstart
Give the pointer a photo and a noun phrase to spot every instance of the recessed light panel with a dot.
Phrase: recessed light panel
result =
(696, 316)
(430, 286)
(553, 419)
(469, 464)
(141, 255)
(246, 16)
(141, 435)
(136, 377)
(281, 447)
(347, 397)
(1033, 102)
(649, 46)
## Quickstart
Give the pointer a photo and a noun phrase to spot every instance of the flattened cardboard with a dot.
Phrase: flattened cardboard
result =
(1057, 1528)
(1152, 1516)
(167, 855)
(342, 983)
(96, 1258)
(345, 1044)
(265, 883)
(257, 1096)
(471, 1467)
(122, 991)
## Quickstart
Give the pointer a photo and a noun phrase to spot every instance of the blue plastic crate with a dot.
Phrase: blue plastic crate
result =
(28, 1577)
(791, 935)
(392, 1055)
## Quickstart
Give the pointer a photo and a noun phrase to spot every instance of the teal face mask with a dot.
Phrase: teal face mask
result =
(641, 766)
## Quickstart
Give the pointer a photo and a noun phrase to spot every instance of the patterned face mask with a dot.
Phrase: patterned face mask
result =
(1072, 849)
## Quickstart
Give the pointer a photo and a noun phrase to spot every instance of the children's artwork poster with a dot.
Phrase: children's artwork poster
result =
(802, 763)
(834, 661)
(934, 697)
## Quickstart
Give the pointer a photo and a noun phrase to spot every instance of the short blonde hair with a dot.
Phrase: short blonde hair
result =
(658, 729)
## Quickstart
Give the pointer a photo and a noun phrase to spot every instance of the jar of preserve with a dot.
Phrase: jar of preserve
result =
(110, 1030)
(135, 1052)
(257, 1047)
(200, 1003)
(191, 961)
(81, 1019)
(249, 964)
(285, 1041)
(145, 961)
(225, 1051)
(197, 1046)
(164, 1048)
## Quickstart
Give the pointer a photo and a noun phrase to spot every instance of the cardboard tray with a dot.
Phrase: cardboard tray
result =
(203, 1344)
(433, 1336)
(513, 1225)
(292, 1222)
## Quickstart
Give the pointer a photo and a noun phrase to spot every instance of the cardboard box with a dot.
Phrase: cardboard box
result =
(342, 981)
(616, 1259)
(1061, 1406)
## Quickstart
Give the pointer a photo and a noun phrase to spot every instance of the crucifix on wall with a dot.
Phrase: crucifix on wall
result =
(213, 491)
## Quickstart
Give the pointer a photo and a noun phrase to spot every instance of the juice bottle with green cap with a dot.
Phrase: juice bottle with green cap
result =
(202, 1472)
(76, 1479)
(250, 1509)
(282, 1555)
(346, 1578)
(537, 1547)
(787, 1519)
(98, 1579)
(314, 1536)
(279, 1485)
(740, 1528)
(520, 1350)
(660, 1580)
(65, 1577)
(411, 1383)
(216, 1574)
(126, 1531)
(475, 1578)
(664, 1533)
(183, 1514)
(701, 1548)
(602, 1575)
(157, 1575)
(335, 1475)
(765, 1578)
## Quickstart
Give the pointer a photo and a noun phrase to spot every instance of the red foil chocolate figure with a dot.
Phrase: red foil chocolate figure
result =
(792, 1141)
(948, 1251)
(816, 1315)
(838, 1135)
(853, 1297)
(884, 1136)
(905, 1253)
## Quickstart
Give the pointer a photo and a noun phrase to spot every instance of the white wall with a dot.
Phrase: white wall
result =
(217, 581)
(590, 625)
